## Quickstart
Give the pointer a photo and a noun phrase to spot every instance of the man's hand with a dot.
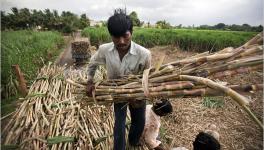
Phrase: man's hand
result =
(90, 88)
(160, 147)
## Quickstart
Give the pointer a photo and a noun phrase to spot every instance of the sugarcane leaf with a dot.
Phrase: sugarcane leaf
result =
(9, 147)
(213, 102)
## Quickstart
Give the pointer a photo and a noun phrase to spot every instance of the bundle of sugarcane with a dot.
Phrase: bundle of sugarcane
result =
(51, 117)
(168, 80)
(80, 48)
(183, 78)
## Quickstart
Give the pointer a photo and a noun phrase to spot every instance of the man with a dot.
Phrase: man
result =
(122, 57)
(152, 126)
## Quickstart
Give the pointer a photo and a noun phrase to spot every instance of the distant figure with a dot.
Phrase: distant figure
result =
(152, 124)
(207, 140)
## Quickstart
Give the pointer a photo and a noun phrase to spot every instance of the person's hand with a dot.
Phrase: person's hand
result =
(160, 147)
(90, 88)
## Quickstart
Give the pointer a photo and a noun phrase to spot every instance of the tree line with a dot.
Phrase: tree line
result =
(68, 22)
(47, 19)
(234, 27)
(220, 26)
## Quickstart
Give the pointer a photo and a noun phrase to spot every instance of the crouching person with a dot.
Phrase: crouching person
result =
(207, 140)
(152, 123)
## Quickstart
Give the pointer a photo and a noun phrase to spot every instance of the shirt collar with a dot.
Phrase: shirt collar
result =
(131, 50)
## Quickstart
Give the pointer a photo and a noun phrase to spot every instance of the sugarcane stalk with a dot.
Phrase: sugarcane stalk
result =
(240, 70)
(194, 92)
(253, 116)
(151, 89)
(258, 39)
(206, 72)
(160, 61)
(59, 139)
(226, 50)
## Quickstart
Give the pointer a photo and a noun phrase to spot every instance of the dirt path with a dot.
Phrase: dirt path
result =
(65, 58)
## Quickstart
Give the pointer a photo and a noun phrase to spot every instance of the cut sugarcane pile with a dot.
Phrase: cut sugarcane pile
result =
(80, 48)
(170, 79)
(51, 117)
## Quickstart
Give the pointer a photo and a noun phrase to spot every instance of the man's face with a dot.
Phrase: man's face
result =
(122, 43)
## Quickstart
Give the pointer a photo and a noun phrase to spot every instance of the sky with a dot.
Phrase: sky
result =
(185, 12)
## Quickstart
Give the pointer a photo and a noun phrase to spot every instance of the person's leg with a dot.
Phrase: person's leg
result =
(137, 123)
(120, 110)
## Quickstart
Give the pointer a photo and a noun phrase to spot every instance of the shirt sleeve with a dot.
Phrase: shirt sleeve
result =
(150, 136)
(97, 59)
(148, 61)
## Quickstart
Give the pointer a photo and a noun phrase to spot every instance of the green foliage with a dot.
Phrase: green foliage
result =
(29, 50)
(84, 22)
(48, 20)
(220, 26)
(234, 27)
(163, 24)
(9, 147)
(59, 139)
(162, 132)
(134, 17)
(97, 36)
(8, 106)
(186, 39)
(213, 102)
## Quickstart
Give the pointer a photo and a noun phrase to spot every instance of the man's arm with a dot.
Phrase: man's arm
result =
(150, 137)
(97, 59)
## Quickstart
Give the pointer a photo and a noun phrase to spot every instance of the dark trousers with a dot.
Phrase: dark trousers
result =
(136, 127)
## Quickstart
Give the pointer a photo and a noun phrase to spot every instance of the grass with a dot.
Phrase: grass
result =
(213, 102)
(30, 50)
(185, 39)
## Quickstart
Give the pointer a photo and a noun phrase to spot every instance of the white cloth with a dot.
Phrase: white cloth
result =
(179, 148)
(151, 129)
(136, 60)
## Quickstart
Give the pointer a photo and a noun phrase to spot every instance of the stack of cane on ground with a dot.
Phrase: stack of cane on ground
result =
(51, 117)
(191, 77)
(80, 48)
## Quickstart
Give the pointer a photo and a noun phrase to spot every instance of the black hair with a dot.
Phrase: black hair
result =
(163, 107)
(119, 23)
(204, 141)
